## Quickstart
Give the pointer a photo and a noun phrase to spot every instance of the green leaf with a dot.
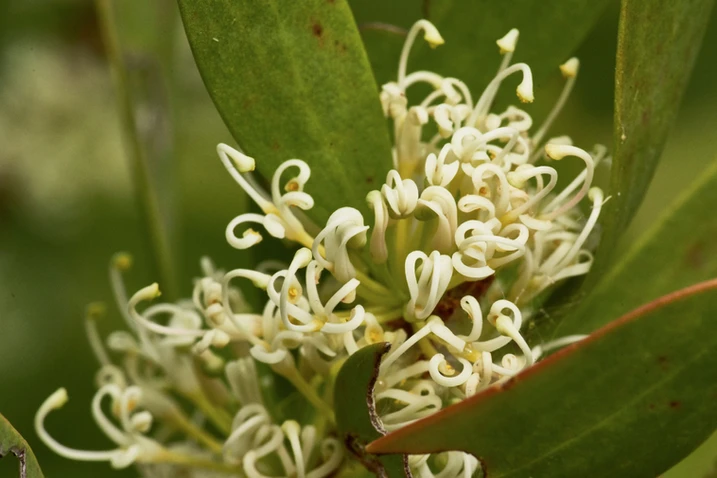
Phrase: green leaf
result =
(354, 469)
(658, 41)
(550, 30)
(356, 417)
(292, 80)
(11, 442)
(680, 249)
(630, 401)
(702, 463)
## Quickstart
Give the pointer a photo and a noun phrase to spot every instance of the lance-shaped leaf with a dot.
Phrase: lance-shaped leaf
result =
(292, 80)
(658, 41)
(12, 443)
(356, 416)
(471, 30)
(647, 380)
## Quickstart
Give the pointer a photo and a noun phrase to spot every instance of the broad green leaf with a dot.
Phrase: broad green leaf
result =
(12, 443)
(630, 401)
(658, 41)
(356, 416)
(680, 249)
(291, 80)
(702, 463)
(550, 30)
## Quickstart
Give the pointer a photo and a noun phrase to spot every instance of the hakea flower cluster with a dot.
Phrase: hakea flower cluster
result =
(467, 232)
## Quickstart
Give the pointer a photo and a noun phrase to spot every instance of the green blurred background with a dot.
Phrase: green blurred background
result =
(67, 203)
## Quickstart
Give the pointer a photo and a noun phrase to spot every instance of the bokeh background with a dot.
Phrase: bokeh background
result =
(67, 201)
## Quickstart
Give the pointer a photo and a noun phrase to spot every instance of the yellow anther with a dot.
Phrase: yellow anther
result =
(122, 261)
(292, 185)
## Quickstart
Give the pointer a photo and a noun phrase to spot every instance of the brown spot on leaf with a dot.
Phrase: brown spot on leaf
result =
(675, 404)
(695, 256)
(369, 180)
(646, 117)
(248, 102)
(662, 360)
(651, 406)
(275, 146)
(340, 46)
(317, 29)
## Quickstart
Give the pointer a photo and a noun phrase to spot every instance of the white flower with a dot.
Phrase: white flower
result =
(416, 403)
(438, 206)
(468, 229)
(439, 170)
(132, 445)
(379, 249)
(400, 195)
(345, 229)
(278, 218)
(428, 287)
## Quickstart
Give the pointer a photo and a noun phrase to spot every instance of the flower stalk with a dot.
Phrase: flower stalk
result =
(147, 198)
